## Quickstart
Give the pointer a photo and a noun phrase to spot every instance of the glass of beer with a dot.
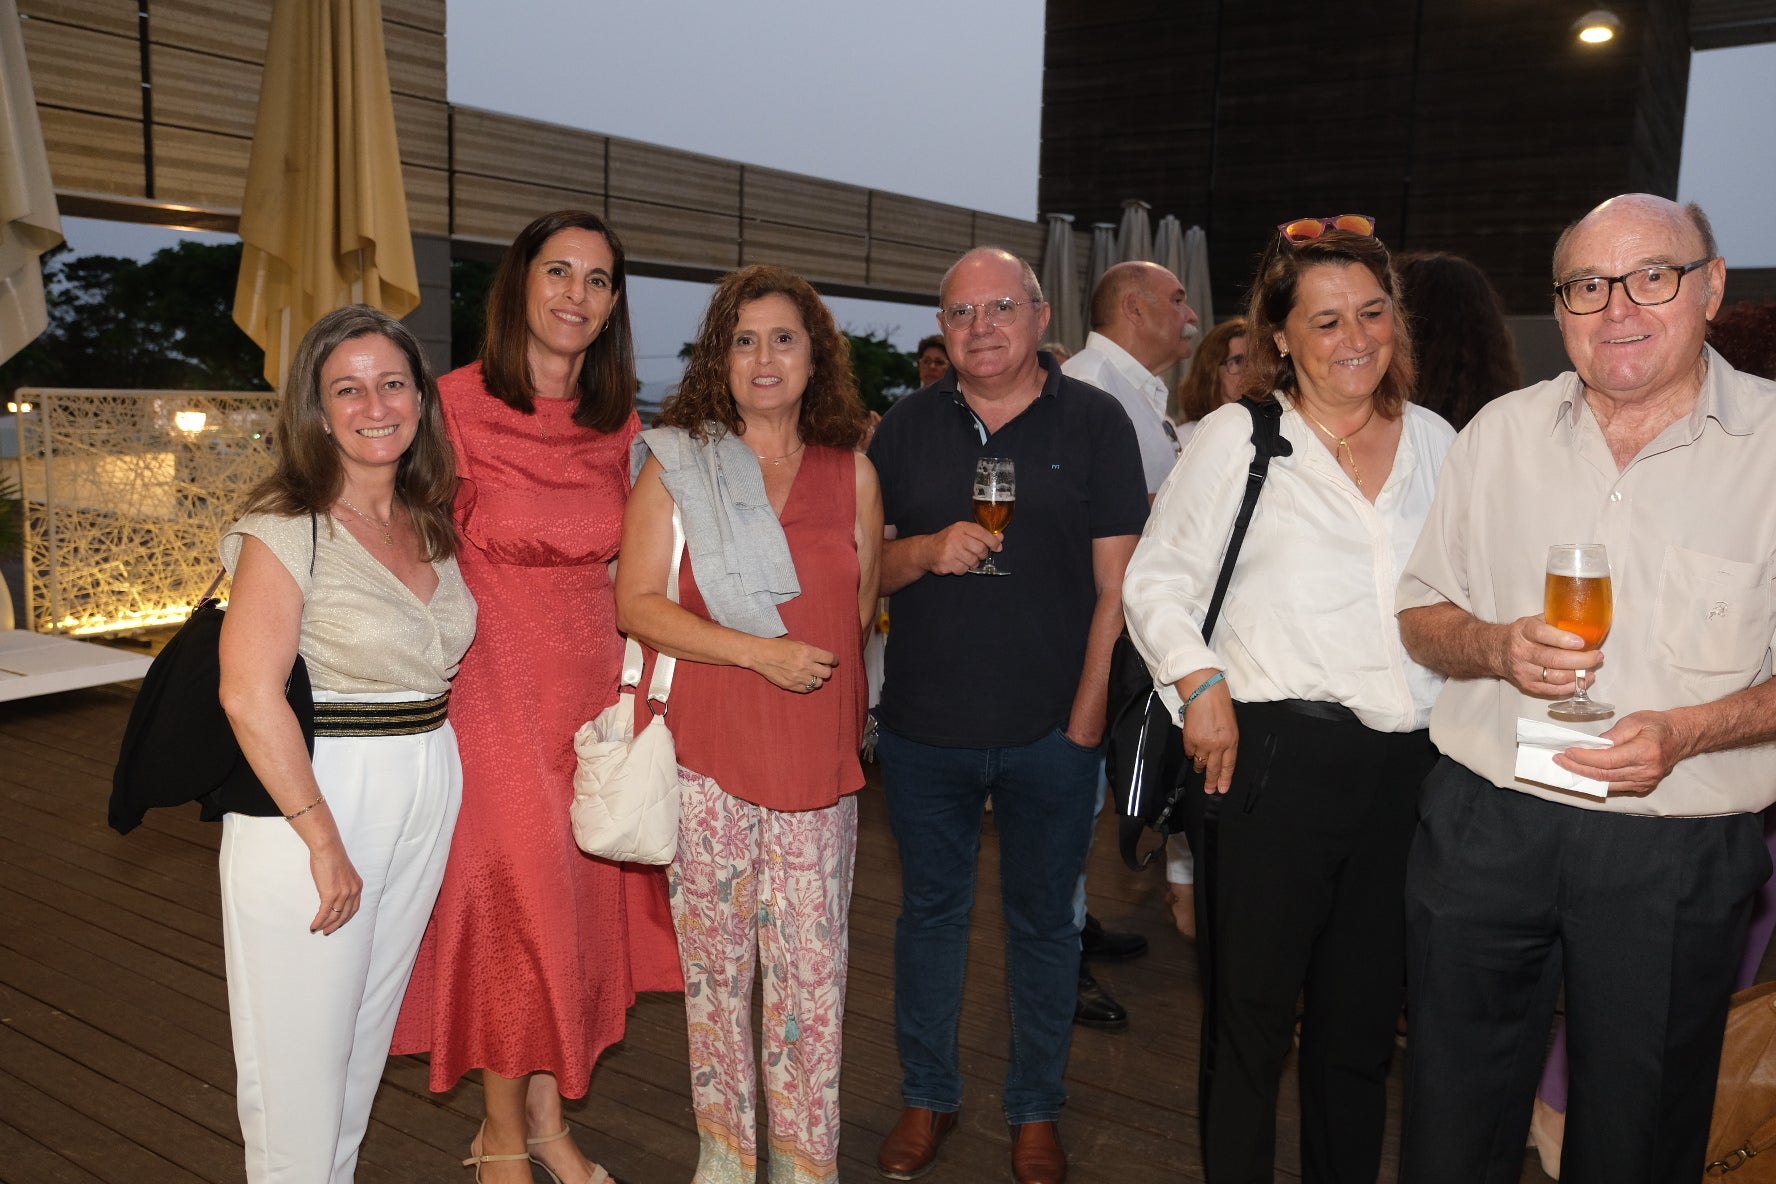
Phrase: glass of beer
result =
(1577, 599)
(995, 496)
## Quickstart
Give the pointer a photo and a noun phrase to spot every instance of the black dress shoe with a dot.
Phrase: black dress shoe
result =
(1095, 1007)
(1100, 945)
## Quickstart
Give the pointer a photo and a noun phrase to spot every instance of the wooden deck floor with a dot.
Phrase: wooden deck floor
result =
(115, 1063)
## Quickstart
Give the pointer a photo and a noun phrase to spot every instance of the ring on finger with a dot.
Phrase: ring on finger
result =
(1545, 677)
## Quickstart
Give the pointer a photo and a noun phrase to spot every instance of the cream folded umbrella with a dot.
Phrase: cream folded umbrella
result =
(324, 216)
(1100, 257)
(29, 222)
(1168, 252)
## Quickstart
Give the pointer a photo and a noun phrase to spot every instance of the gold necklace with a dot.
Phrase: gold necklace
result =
(777, 460)
(1341, 441)
(385, 527)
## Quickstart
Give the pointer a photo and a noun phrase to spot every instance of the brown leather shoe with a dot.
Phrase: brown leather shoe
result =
(911, 1147)
(1036, 1155)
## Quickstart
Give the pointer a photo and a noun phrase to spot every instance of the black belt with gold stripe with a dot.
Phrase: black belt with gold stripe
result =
(357, 717)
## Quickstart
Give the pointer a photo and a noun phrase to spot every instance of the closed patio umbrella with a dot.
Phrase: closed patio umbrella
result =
(1196, 276)
(324, 216)
(1099, 258)
(29, 221)
(1168, 252)
(1060, 284)
(1134, 238)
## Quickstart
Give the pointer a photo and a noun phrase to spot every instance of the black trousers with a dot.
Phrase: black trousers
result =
(1300, 876)
(1643, 917)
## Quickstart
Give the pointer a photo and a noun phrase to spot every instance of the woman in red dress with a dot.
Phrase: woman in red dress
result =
(536, 950)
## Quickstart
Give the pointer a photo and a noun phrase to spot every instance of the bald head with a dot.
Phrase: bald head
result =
(1684, 221)
(1031, 285)
(1141, 307)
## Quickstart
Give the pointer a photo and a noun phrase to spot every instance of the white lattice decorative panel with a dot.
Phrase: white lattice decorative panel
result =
(126, 495)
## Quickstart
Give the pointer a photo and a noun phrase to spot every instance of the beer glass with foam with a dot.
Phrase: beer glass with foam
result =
(995, 496)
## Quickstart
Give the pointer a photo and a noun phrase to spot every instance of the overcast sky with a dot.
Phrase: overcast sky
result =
(931, 98)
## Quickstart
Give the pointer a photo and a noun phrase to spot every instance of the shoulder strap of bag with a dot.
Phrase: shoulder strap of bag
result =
(660, 686)
(1267, 442)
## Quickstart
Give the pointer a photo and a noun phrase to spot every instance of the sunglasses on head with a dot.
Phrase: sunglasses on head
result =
(1305, 230)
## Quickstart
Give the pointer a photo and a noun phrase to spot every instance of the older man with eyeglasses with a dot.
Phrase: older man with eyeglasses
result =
(1626, 871)
(996, 685)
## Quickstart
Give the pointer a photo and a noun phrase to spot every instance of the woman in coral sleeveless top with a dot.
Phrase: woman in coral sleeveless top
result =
(783, 528)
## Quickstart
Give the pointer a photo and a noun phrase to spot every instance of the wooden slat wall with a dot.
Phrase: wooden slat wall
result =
(1717, 24)
(1482, 131)
(470, 174)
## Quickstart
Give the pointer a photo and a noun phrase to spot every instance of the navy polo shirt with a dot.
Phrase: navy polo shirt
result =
(994, 661)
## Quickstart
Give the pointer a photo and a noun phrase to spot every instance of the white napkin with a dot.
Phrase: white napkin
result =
(1538, 741)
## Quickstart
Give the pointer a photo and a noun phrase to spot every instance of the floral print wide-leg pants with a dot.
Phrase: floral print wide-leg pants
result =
(765, 889)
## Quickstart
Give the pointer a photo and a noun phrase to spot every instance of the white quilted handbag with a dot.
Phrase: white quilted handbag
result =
(625, 804)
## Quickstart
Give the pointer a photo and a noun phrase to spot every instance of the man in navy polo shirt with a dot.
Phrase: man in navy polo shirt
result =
(996, 685)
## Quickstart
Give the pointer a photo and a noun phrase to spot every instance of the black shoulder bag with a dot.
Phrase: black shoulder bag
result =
(1144, 754)
(179, 746)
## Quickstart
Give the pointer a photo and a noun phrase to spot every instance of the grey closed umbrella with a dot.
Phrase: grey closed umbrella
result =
(1134, 238)
(1060, 284)
(1196, 276)
(1168, 252)
(1100, 257)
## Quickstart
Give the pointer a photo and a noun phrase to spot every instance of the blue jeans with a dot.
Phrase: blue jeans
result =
(1043, 798)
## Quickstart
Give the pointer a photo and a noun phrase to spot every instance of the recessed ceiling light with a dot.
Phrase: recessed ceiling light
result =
(1597, 26)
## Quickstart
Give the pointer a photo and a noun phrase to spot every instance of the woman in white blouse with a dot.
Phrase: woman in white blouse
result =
(1303, 712)
(346, 557)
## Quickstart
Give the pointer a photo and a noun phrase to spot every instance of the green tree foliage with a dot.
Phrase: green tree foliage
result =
(470, 280)
(884, 373)
(164, 323)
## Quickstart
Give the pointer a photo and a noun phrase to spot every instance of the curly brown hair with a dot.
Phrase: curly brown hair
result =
(1200, 391)
(832, 413)
(1273, 298)
(308, 476)
(607, 375)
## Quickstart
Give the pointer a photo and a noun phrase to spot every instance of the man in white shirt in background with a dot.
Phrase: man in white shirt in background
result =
(1141, 326)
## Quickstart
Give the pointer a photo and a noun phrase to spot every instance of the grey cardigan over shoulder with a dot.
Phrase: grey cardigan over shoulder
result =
(737, 547)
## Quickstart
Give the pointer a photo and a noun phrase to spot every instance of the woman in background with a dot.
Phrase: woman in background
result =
(537, 950)
(345, 556)
(783, 530)
(1217, 375)
(1465, 352)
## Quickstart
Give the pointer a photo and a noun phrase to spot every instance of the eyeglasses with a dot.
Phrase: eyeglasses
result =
(1647, 286)
(1002, 311)
(1233, 362)
(1305, 230)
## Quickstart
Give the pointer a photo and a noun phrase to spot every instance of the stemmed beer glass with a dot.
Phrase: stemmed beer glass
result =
(995, 496)
(1577, 599)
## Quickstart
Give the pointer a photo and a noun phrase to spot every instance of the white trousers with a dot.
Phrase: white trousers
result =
(312, 1015)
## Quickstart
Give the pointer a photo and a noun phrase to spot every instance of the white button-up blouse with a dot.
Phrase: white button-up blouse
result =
(1309, 612)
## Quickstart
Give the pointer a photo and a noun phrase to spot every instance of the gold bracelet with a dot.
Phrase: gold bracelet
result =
(305, 809)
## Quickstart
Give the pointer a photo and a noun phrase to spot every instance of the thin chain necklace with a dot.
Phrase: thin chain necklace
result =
(1341, 441)
(777, 460)
(387, 527)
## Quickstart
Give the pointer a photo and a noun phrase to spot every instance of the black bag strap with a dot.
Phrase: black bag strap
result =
(1267, 442)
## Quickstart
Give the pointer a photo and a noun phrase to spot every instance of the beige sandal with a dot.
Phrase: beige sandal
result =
(475, 1161)
(598, 1176)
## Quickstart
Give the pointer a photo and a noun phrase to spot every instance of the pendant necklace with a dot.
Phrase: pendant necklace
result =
(387, 527)
(777, 460)
(1341, 441)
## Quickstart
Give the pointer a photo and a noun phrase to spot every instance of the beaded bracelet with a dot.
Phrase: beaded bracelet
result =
(1208, 682)
(305, 809)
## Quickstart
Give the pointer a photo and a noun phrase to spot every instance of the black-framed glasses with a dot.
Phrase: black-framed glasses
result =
(1305, 230)
(1233, 362)
(1002, 311)
(1645, 286)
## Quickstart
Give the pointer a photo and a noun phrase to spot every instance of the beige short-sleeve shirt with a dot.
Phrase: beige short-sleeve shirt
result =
(363, 630)
(1690, 527)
